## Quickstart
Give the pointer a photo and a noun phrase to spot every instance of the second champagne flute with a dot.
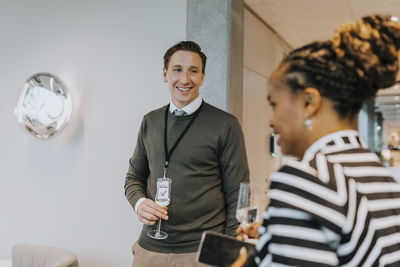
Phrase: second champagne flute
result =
(246, 211)
(243, 204)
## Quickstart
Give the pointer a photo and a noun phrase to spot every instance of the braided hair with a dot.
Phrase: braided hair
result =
(349, 69)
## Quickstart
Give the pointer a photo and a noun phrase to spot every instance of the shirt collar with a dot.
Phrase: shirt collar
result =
(337, 139)
(189, 108)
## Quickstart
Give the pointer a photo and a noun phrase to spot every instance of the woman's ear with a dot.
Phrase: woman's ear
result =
(312, 100)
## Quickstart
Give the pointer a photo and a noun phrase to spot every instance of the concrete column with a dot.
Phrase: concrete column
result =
(217, 26)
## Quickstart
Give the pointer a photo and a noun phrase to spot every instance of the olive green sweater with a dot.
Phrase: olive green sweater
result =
(206, 169)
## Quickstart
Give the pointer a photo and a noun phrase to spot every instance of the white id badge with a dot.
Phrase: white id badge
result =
(163, 195)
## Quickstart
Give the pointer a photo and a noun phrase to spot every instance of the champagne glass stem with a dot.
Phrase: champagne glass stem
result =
(159, 226)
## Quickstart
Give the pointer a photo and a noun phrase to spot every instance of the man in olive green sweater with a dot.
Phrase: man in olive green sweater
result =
(204, 155)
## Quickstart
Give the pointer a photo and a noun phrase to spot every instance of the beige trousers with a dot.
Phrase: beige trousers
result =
(146, 258)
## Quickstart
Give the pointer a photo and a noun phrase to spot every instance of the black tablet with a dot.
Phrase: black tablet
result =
(222, 250)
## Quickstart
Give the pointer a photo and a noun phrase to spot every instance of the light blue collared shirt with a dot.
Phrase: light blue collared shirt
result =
(189, 108)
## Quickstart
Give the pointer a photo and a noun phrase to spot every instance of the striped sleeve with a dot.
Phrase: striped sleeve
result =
(300, 226)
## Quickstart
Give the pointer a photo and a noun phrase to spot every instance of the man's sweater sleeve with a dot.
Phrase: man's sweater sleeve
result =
(234, 170)
(138, 172)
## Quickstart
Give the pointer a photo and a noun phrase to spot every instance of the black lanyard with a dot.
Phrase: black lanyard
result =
(168, 154)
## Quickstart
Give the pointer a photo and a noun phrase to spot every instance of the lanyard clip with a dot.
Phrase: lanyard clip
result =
(165, 169)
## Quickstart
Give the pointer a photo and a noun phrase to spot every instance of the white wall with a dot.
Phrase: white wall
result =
(263, 50)
(68, 192)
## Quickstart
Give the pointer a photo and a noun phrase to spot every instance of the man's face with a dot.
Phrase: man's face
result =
(184, 77)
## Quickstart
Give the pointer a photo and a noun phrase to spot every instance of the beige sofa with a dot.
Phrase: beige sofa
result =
(30, 255)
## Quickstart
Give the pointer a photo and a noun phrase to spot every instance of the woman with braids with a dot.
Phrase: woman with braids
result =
(335, 205)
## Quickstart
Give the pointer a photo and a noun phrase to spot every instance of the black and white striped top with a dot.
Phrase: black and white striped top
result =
(336, 207)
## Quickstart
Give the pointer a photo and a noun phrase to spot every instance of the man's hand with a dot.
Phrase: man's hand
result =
(241, 260)
(149, 212)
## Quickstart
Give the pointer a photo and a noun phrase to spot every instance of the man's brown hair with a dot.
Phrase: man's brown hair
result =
(185, 46)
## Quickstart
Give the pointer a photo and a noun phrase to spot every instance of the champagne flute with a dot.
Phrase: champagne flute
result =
(243, 202)
(162, 198)
(245, 212)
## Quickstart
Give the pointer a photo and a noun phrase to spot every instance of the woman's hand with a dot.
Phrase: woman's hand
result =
(241, 260)
(246, 231)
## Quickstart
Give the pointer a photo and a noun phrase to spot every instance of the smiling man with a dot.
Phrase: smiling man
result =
(201, 149)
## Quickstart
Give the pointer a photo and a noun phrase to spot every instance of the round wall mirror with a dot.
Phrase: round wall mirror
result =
(44, 106)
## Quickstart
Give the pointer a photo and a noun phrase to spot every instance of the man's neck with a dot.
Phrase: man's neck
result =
(188, 108)
(178, 105)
